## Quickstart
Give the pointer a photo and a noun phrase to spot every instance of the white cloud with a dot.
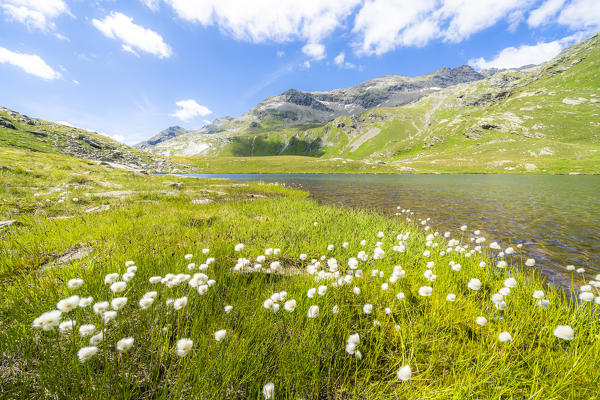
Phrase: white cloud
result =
(383, 25)
(268, 20)
(314, 50)
(75, 81)
(514, 57)
(280, 53)
(65, 123)
(151, 4)
(189, 109)
(120, 26)
(30, 63)
(115, 137)
(340, 60)
(62, 37)
(580, 14)
(469, 16)
(35, 14)
(544, 13)
(306, 64)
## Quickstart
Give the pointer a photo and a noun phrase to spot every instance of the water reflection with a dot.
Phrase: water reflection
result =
(557, 218)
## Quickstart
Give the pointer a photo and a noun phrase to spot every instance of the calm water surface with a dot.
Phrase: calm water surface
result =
(557, 218)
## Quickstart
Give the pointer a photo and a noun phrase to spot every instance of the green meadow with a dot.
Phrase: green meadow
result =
(77, 219)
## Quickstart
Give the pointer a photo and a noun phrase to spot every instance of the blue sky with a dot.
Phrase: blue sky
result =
(129, 69)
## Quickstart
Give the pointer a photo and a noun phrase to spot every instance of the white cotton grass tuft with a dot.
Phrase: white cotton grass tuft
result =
(313, 311)
(505, 337)
(85, 301)
(289, 305)
(239, 247)
(352, 344)
(220, 335)
(111, 278)
(538, 294)
(543, 304)
(155, 279)
(586, 296)
(74, 283)
(118, 303)
(125, 344)
(510, 283)
(118, 287)
(425, 291)
(146, 302)
(482, 321)
(97, 339)
(269, 389)
(451, 297)
(85, 353)
(474, 284)
(356, 290)
(66, 327)
(400, 296)
(228, 309)
(335, 309)
(101, 307)
(530, 262)
(404, 373)
(128, 276)
(179, 303)
(86, 330)
(311, 293)
(564, 332)
(184, 346)
(68, 304)
(109, 316)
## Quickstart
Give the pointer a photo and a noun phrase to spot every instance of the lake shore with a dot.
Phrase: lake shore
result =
(315, 165)
(463, 323)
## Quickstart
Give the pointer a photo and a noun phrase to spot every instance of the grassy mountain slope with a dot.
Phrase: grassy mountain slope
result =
(541, 119)
(23, 132)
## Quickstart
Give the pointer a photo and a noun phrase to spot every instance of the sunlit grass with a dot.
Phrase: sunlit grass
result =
(411, 346)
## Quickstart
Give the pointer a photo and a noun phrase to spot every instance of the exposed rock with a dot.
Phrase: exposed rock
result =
(6, 123)
(72, 255)
(201, 201)
(104, 207)
(169, 133)
(574, 102)
(6, 224)
(115, 193)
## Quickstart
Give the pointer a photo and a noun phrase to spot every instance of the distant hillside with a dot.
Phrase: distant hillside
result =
(21, 131)
(166, 134)
(542, 118)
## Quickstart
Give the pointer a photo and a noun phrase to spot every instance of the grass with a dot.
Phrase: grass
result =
(157, 224)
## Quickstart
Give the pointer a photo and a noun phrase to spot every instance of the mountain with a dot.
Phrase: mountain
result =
(166, 134)
(21, 131)
(539, 118)
(296, 108)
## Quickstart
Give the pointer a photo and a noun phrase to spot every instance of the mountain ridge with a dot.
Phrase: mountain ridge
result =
(550, 110)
